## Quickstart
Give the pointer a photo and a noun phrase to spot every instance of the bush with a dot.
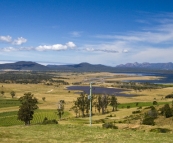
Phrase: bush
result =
(154, 102)
(169, 96)
(167, 111)
(128, 107)
(135, 112)
(109, 125)
(153, 112)
(160, 130)
(148, 121)
(46, 121)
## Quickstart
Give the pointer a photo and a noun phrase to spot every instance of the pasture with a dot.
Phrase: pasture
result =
(74, 129)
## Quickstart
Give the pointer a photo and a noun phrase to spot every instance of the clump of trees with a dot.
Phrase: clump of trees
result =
(150, 116)
(167, 111)
(99, 102)
(169, 96)
(27, 107)
(60, 108)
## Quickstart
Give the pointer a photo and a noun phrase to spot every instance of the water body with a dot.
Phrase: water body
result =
(167, 78)
(100, 90)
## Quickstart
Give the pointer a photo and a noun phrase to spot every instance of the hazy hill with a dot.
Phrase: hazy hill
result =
(81, 67)
(23, 65)
(155, 66)
(86, 67)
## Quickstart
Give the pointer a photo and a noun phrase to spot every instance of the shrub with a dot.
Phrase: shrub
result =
(153, 112)
(169, 96)
(109, 125)
(148, 121)
(167, 111)
(154, 102)
(46, 121)
(160, 130)
(140, 107)
(128, 107)
(135, 112)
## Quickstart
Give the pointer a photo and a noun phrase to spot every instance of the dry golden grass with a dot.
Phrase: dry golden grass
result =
(54, 93)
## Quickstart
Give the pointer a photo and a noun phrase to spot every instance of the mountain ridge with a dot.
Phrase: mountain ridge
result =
(87, 67)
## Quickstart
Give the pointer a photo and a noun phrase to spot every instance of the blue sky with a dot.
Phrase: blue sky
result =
(108, 32)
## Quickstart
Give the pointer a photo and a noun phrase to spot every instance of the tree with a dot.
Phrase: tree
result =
(167, 111)
(103, 101)
(2, 92)
(61, 108)
(43, 98)
(27, 107)
(113, 103)
(12, 94)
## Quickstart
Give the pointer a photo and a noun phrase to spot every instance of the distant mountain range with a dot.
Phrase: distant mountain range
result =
(86, 67)
(157, 66)
(23, 65)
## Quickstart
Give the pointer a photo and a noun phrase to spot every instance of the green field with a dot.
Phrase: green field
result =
(10, 118)
(8, 102)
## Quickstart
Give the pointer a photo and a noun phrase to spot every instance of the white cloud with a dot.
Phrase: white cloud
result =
(56, 47)
(5, 38)
(70, 45)
(76, 34)
(19, 41)
(8, 49)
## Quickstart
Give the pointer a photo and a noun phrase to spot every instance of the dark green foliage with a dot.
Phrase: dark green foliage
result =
(113, 103)
(169, 96)
(43, 98)
(152, 112)
(150, 116)
(46, 121)
(128, 106)
(12, 94)
(2, 92)
(160, 130)
(60, 108)
(148, 120)
(167, 111)
(137, 103)
(27, 107)
(109, 125)
(136, 112)
(24, 77)
(154, 102)
(99, 121)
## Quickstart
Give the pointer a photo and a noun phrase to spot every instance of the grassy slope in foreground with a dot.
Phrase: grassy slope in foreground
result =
(76, 133)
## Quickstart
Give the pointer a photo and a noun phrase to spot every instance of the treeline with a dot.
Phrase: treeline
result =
(100, 104)
(138, 86)
(30, 77)
(23, 77)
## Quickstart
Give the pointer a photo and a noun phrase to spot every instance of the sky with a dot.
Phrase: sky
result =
(108, 32)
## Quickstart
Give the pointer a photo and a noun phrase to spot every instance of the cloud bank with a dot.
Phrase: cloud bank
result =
(8, 39)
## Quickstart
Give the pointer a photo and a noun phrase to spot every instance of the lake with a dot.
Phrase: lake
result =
(100, 90)
(167, 78)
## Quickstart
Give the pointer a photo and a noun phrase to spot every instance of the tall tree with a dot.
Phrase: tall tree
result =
(12, 94)
(61, 108)
(2, 92)
(27, 107)
(113, 103)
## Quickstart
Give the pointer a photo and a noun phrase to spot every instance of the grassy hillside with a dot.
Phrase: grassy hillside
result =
(77, 133)
(71, 129)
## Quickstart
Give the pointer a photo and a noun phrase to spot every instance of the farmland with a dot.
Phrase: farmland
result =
(127, 118)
